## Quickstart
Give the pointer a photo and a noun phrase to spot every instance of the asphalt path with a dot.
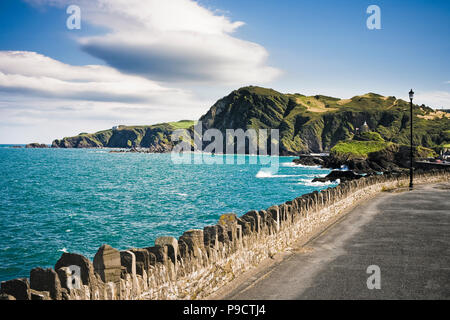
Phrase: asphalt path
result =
(400, 240)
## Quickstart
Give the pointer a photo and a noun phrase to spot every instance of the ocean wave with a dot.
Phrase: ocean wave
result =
(309, 183)
(314, 175)
(288, 164)
(267, 174)
(294, 165)
(182, 194)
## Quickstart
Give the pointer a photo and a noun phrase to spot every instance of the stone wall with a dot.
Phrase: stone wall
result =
(200, 261)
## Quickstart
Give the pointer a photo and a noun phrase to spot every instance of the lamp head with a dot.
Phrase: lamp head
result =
(411, 94)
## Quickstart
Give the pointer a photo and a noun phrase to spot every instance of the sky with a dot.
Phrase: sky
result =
(150, 61)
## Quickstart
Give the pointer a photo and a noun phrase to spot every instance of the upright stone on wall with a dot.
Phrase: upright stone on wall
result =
(267, 221)
(210, 237)
(128, 287)
(194, 241)
(229, 224)
(172, 247)
(246, 226)
(67, 281)
(126, 261)
(46, 280)
(274, 211)
(160, 253)
(86, 267)
(18, 288)
(107, 264)
(255, 220)
(142, 260)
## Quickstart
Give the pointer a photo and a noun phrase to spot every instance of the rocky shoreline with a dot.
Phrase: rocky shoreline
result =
(155, 149)
(36, 145)
(394, 159)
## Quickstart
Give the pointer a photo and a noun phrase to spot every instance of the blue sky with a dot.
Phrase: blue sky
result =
(178, 60)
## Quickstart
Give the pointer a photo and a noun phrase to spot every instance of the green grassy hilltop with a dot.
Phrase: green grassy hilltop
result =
(317, 123)
(155, 137)
(306, 123)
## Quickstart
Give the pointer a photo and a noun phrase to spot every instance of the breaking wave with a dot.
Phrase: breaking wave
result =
(309, 183)
(267, 174)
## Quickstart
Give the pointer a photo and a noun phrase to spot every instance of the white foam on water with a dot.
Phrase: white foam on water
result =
(309, 183)
(63, 250)
(294, 165)
(267, 174)
(288, 164)
(314, 175)
(182, 194)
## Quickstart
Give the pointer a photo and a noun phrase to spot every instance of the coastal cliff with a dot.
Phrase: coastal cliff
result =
(156, 138)
(305, 123)
(317, 123)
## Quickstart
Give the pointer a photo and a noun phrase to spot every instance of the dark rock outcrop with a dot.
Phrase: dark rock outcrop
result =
(313, 161)
(36, 145)
(341, 175)
(394, 158)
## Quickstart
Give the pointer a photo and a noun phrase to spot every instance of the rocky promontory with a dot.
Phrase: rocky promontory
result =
(342, 176)
(306, 123)
(36, 145)
(364, 157)
(155, 138)
(392, 158)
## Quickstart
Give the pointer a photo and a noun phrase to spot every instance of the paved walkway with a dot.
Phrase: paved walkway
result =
(406, 234)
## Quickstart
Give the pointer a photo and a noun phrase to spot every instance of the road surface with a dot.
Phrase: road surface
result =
(406, 234)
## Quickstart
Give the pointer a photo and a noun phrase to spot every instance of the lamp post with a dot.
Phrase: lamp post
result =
(411, 156)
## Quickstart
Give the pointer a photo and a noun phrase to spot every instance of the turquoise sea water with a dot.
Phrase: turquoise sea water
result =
(75, 200)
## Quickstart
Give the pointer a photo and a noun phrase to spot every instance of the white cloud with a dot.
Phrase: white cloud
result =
(176, 40)
(434, 99)
(152, 49)
(38, 75)
(41, 93)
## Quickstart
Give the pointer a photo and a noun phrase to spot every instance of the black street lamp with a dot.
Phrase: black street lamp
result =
(411, 96)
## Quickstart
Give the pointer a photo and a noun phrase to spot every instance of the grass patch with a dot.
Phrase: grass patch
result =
(371, 136)
(183, 124)
(359, 148)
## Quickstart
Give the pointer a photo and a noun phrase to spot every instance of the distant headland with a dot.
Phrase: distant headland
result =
(307, 124)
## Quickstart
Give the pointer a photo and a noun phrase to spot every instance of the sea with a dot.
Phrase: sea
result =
(75, 200)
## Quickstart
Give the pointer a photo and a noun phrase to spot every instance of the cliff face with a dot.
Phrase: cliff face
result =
(156, 137)
(306, 124)
(36, 145)
(317, 123)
